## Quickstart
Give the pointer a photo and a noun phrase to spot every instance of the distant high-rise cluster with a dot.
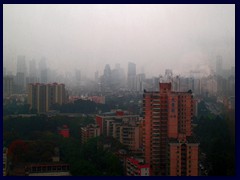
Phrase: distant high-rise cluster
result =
(112, 79)
(42, 96)
(203, 81)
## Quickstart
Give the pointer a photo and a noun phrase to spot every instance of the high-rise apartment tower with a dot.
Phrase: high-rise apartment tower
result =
(169, 146)
(42, 96)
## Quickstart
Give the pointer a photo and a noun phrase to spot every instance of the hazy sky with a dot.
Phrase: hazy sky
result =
(87, 37)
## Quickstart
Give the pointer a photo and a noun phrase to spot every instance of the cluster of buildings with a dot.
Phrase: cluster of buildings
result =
(161, 143)
(116, 79)
(42, 96)
(17, 84)
(123, 127)
(96, 99)
(51, 168)
(212, 85)
(218, 83)
(118, 124)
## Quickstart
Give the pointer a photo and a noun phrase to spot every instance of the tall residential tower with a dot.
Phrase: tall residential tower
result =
(169, 146)
(42, 96)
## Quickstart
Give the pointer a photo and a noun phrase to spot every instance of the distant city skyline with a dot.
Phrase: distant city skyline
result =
(87, 37)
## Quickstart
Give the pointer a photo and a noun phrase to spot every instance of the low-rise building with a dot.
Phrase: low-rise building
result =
(88, 132)
(47, 170)
(64, 131)
(5, 150)
(137, 167)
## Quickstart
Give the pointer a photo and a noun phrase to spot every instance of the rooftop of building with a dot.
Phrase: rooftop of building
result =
(63, 127)
(90, 126)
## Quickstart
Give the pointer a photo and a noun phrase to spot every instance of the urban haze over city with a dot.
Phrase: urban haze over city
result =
(119, 90)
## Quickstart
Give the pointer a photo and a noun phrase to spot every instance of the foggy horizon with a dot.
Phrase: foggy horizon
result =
(87, 37)
(119, 90)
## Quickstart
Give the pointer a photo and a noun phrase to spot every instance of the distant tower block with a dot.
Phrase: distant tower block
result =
(219, 68)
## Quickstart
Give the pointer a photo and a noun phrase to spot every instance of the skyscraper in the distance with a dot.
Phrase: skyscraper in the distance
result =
(21, 65)
(20, 79)
(7, 86)
(32, 72)
(43, 70)
(219, 67)
(106, 79)
(169, 146)
(131, 77)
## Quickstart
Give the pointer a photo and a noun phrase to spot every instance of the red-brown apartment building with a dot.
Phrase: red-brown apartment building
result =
(169, 146)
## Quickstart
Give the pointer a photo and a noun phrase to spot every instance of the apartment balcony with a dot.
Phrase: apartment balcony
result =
(155, 155)
(156, 146)
(155, 159)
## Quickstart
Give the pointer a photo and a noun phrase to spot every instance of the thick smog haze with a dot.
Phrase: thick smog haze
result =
(87, 37)
(125, 88)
